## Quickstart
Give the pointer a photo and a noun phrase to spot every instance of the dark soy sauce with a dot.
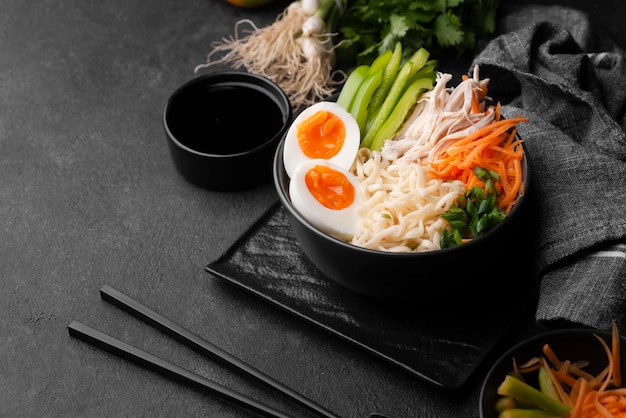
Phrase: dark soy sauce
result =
(228, 118)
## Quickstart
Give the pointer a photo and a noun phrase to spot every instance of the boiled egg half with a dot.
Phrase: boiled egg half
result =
(325, 131)
(327, 196)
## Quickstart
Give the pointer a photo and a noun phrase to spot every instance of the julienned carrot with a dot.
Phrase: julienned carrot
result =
(615, 347)
(589, 396)
(565, 378)
(551, 355)
(494, 147)
(579, 394)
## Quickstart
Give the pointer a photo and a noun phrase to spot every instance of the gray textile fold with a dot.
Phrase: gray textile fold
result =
(550, 64)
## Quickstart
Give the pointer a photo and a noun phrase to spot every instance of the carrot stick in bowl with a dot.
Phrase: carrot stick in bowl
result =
(582, 395)
(494, 148)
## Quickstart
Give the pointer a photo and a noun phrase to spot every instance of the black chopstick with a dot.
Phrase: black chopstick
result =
(201, 345)
(157, 364)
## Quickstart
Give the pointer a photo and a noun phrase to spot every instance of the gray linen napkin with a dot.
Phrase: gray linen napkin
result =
(550, 64)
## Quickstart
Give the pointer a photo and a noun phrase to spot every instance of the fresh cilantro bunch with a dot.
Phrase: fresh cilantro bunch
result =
(371, 27)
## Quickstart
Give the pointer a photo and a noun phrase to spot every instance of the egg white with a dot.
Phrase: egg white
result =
(341, 224)
(292, 153)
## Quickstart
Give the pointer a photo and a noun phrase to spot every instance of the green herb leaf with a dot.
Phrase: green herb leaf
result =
(448, 29)
(398, 29)
(371, 27)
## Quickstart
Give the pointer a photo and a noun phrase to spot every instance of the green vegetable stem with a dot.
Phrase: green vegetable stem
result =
(418, 60)
(401, 110)
(381, 62)
(520, 390)
(361, 101)
(397, 88)
(351, 86)
(546, 385)
(389, 75)
(380, 96)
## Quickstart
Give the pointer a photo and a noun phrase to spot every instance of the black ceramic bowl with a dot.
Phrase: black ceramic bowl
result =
(222, 129)
(568, 344)
(436, 276)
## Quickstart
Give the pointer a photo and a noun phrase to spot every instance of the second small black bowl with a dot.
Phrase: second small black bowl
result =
(568, 344)
(222, 129)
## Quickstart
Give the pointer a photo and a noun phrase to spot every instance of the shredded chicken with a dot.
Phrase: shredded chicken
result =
(441, 116)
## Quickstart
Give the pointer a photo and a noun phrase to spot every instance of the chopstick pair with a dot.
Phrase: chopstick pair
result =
(194, 341)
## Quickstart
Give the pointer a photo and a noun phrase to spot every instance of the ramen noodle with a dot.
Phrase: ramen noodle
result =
(402, 204)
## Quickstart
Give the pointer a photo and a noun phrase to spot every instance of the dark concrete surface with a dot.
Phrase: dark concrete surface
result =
(89, 196)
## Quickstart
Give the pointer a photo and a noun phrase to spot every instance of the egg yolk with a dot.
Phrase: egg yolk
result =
(329, 187)
(321, 135)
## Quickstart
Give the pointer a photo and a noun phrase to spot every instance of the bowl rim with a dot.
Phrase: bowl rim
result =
(278, 171)
(536, 339)
(222, 77)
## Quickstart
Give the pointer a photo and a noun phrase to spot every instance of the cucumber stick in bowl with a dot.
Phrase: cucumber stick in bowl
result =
(380, 96)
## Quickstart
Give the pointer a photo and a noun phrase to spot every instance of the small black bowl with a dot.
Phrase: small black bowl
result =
(568, 344)
(222, 129)
(440, 276)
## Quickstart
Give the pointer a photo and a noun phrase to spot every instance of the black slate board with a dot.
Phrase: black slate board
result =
(441, 342)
